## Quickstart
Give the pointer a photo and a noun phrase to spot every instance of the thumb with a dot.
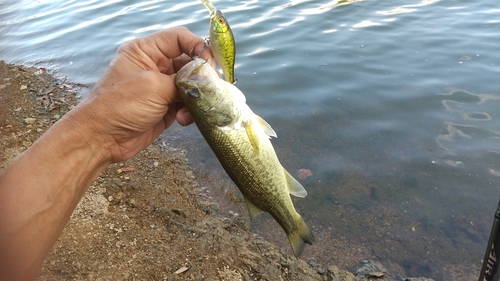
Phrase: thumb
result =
(166, 88)
(184, 117)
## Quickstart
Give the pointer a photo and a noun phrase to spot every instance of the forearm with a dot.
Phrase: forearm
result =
(39, 191)
(134, 101)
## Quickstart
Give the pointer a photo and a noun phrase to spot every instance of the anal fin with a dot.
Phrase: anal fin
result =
(253, 210)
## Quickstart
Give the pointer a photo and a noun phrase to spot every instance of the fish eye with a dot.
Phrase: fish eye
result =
(193, 92)
(220, 20)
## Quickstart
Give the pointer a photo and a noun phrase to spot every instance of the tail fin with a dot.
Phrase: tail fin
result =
(300, 236)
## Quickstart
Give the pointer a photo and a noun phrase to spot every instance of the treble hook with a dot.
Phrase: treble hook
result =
(205, 45)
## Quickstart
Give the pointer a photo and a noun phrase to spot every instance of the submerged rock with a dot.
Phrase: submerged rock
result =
(371, 269)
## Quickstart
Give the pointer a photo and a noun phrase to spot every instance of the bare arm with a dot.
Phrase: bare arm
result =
(130, 106)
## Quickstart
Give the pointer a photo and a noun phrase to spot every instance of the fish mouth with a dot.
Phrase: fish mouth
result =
(194, 71)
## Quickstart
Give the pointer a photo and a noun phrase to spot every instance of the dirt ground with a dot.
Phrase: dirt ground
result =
(146, 218)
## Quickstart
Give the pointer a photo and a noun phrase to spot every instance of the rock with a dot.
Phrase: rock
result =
(313, 262)
(335, 274)
(29, 120)
(208, 207)
(371, 269)
(116, 183)
(134, 186)
(417, 279)
(134, 203)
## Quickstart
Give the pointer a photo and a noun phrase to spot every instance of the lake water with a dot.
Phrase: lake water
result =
(393, 106)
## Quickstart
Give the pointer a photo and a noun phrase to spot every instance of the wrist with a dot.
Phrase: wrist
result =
(81, 127)
(73, 147)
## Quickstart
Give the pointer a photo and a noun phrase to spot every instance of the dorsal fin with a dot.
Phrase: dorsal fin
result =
(294, 187)
(267, 128)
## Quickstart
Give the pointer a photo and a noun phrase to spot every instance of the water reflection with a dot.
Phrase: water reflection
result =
(471, 127)
(276, 12)
(365, 23)
(350, 85)
(407, 8)
(326, 7)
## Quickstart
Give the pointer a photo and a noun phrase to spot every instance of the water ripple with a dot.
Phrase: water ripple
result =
(476, 131)
(351, 86)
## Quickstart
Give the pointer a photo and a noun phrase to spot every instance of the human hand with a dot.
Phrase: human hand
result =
(136, 99)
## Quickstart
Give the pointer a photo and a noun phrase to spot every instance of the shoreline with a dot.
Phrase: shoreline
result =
(145, 218)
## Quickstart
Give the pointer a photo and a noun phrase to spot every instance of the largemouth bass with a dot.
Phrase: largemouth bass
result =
(221, 41)
(240, 140)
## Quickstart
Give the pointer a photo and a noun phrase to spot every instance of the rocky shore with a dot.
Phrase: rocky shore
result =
(146, 218)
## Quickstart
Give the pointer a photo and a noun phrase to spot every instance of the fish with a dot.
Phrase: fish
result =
(241, 142)
(221, 41)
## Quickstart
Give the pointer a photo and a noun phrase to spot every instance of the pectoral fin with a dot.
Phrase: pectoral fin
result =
(253, 136)
(253, 210)
(252, 131)
(294, 187)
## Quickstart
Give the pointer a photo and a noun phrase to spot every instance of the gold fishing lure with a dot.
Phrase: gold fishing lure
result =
(221, 41)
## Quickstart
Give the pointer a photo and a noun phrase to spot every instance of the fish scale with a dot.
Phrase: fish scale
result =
(243, 171)
(240, 140)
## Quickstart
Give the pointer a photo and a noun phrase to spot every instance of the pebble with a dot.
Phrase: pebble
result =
(134, 203)
(181, 270)
(29, 120)
(116, 183)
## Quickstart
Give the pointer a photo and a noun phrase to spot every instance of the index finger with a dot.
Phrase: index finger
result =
(166, 45)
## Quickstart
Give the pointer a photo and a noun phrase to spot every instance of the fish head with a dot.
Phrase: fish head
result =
(209, 98)
(219, 23)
